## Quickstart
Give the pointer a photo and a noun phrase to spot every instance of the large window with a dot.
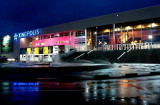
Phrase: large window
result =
(155, 32)
(80, 33)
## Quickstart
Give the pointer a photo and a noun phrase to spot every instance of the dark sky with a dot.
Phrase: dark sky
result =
(23, 15)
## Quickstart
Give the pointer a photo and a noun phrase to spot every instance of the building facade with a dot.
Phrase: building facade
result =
(135, 29)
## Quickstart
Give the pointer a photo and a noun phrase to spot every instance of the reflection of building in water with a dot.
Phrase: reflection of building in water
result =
(99, 91)
(123, 91)
(13, 92)
(128, 92)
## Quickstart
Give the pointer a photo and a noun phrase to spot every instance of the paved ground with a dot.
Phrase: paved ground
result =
(143, 91)
(121, 91)
(120, 70)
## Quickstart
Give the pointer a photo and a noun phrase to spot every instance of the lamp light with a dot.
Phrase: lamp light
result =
(150, 37)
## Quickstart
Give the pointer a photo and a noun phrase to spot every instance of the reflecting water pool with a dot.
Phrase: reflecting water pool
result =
(133, 91)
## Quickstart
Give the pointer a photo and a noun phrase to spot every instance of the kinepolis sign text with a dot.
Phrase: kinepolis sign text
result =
(26, 34)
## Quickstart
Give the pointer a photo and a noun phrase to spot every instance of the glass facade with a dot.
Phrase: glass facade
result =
(125, 35)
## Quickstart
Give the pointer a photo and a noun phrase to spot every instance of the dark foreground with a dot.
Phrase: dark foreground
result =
(118, 92)
(135, 90)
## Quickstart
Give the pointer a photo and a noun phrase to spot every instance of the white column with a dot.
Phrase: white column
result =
(70, 34)
(133, 34)
(40, 40)
(151, 35)
(121, 38)
(86, 39)
(141, 35)
(114, 36)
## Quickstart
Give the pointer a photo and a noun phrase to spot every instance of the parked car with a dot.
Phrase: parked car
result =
(3, 59)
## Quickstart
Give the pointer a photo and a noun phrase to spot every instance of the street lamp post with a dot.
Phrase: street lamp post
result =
(150, 37)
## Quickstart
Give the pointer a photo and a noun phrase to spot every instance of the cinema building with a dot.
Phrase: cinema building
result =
(135, 29)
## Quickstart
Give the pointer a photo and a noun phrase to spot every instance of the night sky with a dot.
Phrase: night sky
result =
(23, 15)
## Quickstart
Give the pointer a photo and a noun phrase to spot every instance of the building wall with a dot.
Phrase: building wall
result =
(24, 42)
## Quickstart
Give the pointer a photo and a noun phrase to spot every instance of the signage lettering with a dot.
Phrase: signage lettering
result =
(26, 34)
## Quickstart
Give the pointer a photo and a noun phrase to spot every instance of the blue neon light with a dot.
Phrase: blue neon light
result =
(25, 84)
(26, 34)
(30, 88)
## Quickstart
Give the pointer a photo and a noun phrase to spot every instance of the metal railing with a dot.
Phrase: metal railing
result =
(78, 57)
(124, 53)
(91, 51)
(147, 45)
(68, 53)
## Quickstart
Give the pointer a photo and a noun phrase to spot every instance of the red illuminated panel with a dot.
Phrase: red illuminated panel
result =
(111, 40)
(52, 41)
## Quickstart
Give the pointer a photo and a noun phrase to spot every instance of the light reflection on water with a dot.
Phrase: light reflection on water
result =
(125, 91)
(131, 92)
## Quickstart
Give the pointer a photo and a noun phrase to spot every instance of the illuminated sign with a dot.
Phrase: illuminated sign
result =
(88, 41)
(28, 50)
(124, 39)
(45, 50)
(36, 50)
(7, 44)
(26, 34)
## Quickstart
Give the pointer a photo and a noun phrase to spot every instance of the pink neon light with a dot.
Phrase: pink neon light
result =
(54, 41)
